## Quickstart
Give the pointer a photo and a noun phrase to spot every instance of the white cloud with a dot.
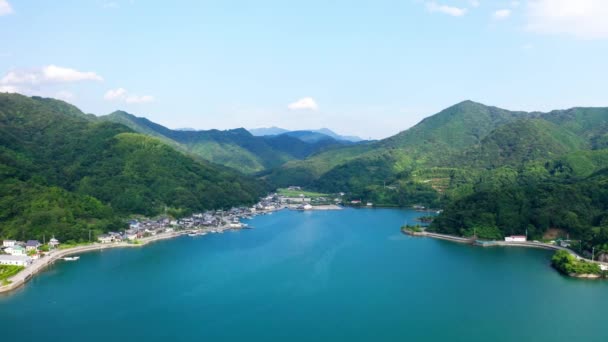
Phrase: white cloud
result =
(139, 99)
(64, 95)
(583, 19)
(515, 4)
(115, 94)
(307, 103)
(48, 74)
(8, 89)
(5, 8)
(445, 9)
(474, 3)
(110, 4)
(122, 95)
(502, 14)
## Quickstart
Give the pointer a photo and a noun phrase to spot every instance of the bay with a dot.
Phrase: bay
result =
(308, 276)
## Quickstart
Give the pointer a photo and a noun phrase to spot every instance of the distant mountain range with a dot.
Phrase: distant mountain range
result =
(265, 131)
(235, 148)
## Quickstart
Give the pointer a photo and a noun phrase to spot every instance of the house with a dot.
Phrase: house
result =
(16, 260)
(370, 204)
(116, 237)
(15, 250)
(133, 224)
(293, 187)
(8, 243)
(132, 236)
(355, 202)
(516, 238)
(105, 238)
(32, 245)
(53, 243)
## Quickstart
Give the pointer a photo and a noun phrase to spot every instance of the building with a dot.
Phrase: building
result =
(8, 243)
(53, 243)
(32, 245)
(307, 206)
(105, 238)
(516, 238)
(16, 250)
(15, 260)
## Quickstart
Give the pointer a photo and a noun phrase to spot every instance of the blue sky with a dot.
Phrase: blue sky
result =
(370, 68)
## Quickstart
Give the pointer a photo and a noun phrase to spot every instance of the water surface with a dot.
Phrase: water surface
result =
(308, 276)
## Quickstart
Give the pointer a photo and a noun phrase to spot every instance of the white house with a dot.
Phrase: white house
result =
(16, 250)
(516, 238)
(8, 243)
(53, 243)
(32, 245)
(17, 260)
(105, 238)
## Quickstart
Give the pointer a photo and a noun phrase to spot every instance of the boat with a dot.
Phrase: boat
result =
(71, 258)
(192, 234)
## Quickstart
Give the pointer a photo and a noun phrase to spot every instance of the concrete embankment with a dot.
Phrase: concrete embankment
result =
(40, 264)
(457, 239)
(526, 244)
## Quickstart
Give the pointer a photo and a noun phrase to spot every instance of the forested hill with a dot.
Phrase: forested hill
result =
(501, 172)
(235, 148)
(63, 172)
(468, 134)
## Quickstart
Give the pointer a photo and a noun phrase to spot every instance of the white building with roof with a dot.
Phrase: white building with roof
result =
(15, 250)
(15, 260)
(516, 238)
(8, 243)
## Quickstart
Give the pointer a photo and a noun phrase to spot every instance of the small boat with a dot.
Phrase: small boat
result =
(71, 258)
(192, 234)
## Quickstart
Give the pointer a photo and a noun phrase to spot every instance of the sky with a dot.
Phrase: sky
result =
(366, 68)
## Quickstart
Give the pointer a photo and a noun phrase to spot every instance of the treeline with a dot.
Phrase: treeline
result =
(525, 202)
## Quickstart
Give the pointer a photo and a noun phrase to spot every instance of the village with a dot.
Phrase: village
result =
(25, 253)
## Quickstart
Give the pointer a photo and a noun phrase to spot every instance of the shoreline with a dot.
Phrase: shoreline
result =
(41, 264)
(527, 244)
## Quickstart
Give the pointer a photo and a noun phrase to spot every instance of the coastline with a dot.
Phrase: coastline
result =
(41, 264)
(527, 244)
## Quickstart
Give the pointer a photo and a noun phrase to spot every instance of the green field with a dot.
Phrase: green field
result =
(7, 271)
(296, 193)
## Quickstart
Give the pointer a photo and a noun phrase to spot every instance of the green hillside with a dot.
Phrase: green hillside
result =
(63, 172)
(522, 141)
(442, 158)
(235, 148)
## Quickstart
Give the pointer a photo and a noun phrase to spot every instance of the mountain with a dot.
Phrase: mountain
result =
(64, 173)
(320, 133)
(465, 136)
(337, 136)
(235, 148)
(262, 131)
(522, 141)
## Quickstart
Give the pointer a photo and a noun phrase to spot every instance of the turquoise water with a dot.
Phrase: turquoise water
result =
(308, 276)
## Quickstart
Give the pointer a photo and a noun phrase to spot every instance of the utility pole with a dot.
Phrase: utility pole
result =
(592, 253)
